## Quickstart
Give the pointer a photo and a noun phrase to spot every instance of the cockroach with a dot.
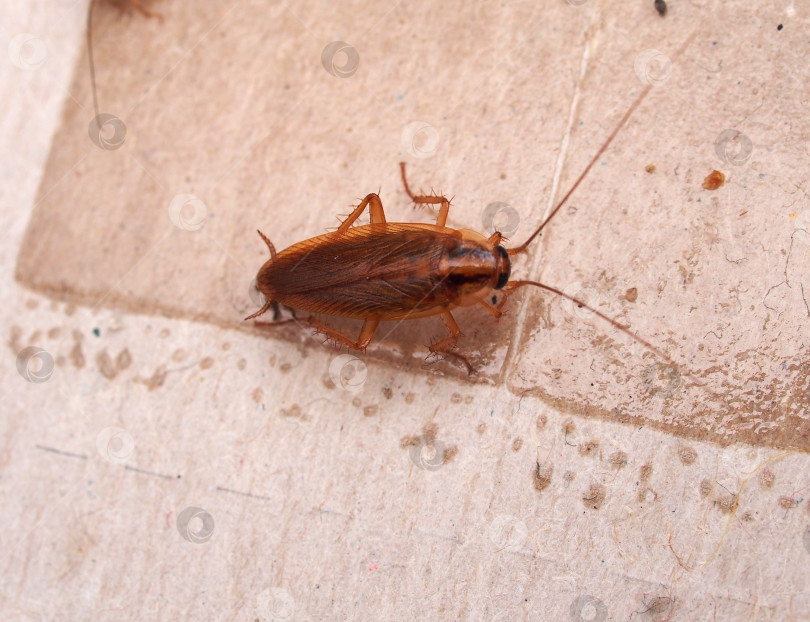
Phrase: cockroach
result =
(395, 271)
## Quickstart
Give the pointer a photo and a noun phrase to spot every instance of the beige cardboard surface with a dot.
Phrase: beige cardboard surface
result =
(173, 469)
(226, 109)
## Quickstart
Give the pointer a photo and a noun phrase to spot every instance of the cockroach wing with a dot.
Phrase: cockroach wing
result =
(385, 271)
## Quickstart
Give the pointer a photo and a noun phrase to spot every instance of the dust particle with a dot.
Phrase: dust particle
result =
(540, 422)
(257, 395)
(468, 399)
(541, 475)
(687, 455)
(241, 364)
(450, 453)
(481, 428)
(387, 393)
(105, 365)
(706, 488)
(645, 472)
(456, 398)
(206, 363)
(714, 180)
(178, 355)
(788, 503)
(517, 444)
(77, 355)
(164, 333)
(429, 432)
(591, 448)
(226, 346)
(631, 294)
(356, 402)
(650, 168)
(123, 360)
(766, 478)
(370, 410)
(53, 333)
(272, 360)
(294, 412)
(595, 497)
(726, 502)
(285, 367)
(409, 397)
(328, 382)
(410, 441)
(618, 459)
(157, 379)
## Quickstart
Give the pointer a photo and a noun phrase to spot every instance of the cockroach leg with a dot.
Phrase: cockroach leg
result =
(366, 333)
(445, 346)
(375, 212)
(423, 199)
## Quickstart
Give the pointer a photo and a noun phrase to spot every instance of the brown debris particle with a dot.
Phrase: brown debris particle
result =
(687, 455)
(241, 364)
(53, 333)
(645, 472)
(77, 355)
(294, 412)
(481, 428)
(123, 360)
(206, 363)
(541, 475)
(157, 379)
(766, 478)
(105, 365)
(456, 398)
(591, 448)
(450, 453)
(541, 422)
(412, 440)
(409, 397)
(257, 394)
(517, 444)
(618, 459)
(650, 168)
(370, 410)
(714, 180)
(788, 503)
(706, 488)
(595, 497)
(388, 393)
(631, 294)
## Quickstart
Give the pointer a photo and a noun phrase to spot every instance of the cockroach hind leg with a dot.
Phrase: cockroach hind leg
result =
(366, 334)
(445, 346)
(427, 199)
(375, 212)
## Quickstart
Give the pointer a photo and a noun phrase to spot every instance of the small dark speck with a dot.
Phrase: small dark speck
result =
(661, 7)
(400, 96)
(779, 27)
(97, 332)
(494, 300)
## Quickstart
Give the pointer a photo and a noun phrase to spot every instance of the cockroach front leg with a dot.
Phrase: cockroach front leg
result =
(366, 333)
(427, 199)
(446, 345)
(375, 211)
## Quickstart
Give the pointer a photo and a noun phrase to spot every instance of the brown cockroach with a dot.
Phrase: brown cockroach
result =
(387, 271)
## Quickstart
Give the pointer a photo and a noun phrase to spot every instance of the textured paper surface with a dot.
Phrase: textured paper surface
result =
(172, 468)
